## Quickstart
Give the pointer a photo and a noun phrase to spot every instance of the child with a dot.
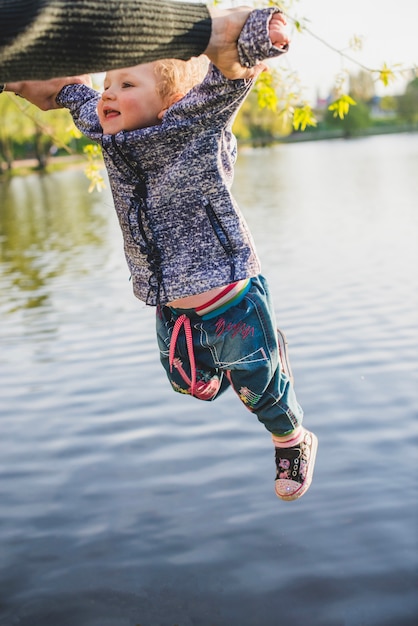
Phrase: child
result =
(169, 152)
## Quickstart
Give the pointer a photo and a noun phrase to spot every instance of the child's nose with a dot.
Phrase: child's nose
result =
(108, 94)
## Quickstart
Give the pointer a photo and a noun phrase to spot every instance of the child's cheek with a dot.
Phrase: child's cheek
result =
(100, 113)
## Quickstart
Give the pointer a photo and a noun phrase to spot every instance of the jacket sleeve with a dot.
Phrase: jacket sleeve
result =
(254, 44)
(82, 104)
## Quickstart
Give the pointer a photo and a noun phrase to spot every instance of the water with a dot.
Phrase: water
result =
(122, 503)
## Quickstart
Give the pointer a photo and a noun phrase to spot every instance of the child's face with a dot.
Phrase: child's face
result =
(130, 99)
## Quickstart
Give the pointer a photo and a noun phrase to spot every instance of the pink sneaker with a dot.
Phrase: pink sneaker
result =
(295, 467)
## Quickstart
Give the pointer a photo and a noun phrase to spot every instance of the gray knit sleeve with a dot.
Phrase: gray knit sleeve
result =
(254, 43)
(41, 39)
(82, 101)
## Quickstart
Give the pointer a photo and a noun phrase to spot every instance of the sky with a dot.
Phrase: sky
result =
(388, 30)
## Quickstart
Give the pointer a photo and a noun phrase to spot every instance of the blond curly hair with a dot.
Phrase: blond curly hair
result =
(178, 77)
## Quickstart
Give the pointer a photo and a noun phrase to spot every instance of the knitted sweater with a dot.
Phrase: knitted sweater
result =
(183, 231)
(41, 39)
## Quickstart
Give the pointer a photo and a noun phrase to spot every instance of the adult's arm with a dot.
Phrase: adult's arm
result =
(234, 48)
(41, 39)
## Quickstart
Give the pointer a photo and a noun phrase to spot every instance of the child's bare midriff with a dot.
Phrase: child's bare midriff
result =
(191, 302)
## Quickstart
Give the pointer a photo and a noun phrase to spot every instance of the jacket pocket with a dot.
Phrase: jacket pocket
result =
(221, 235)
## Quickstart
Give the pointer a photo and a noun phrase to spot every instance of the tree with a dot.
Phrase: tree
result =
(15, 128)
(260, 117)
(362, 86)
(279, 91)
(408, 103)
(40, 130)
(358, 119)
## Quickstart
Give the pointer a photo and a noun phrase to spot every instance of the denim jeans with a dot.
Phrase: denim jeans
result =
(236, 348)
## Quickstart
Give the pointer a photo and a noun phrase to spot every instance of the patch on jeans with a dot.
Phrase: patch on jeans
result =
(248, 397)
(179, 389)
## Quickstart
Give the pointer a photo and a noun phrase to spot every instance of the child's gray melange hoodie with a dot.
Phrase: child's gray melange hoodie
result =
(183, 231)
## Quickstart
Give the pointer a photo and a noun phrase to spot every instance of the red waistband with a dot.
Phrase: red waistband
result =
(220, 295)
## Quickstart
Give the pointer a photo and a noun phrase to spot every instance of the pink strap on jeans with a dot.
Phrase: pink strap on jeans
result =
(184, 321)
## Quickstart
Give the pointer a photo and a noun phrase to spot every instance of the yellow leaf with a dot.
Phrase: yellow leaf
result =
(341, 106)
(303, 117)
(266, 92)
(386, 75)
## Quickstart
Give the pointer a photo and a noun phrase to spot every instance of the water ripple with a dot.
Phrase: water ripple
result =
(123, 503)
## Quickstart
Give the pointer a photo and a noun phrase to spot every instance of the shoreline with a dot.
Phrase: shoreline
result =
(326, 135)
(25, 167)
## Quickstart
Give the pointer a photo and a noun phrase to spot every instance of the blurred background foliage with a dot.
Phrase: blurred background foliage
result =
(276, 110)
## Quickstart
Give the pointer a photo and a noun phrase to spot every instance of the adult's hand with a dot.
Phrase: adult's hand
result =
(43, 93)
(222, 49)
(226, 29)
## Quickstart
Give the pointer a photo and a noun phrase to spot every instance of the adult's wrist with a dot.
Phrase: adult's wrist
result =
(222, 48)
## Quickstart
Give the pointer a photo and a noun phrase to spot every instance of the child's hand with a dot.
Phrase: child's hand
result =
(277, 32)
(43, 93)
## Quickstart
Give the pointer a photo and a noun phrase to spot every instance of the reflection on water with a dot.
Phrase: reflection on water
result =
(45, 221)
(122, 503)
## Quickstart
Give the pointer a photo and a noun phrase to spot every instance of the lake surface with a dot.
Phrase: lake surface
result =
(124, 504)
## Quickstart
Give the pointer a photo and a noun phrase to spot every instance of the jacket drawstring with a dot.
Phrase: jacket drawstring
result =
(184, 321)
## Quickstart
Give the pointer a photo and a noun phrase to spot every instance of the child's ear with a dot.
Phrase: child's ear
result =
(169, 103)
